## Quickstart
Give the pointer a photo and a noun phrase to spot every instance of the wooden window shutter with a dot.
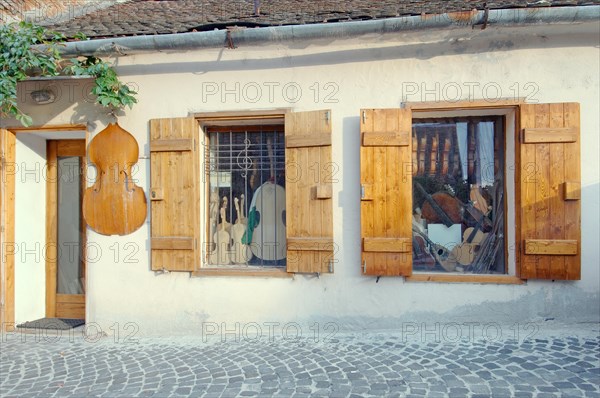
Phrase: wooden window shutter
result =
(548, 192)
(309, 177)
(7, 226)
(174, 194)
(386, 191)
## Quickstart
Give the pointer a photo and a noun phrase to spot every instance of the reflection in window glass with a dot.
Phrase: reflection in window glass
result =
(458, 195)
(70, 261)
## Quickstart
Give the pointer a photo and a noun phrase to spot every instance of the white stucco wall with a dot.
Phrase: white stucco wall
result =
(30, 228)
(544, 64)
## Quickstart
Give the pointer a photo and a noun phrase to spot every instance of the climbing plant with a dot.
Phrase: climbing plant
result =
(27, 49)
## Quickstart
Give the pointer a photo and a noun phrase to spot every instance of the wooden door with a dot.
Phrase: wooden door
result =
(65, 229)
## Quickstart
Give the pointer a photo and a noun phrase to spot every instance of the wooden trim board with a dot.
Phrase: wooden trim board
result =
(51, 227)
(464, 278)
(47, 128)
(233, 271)
(465, 104)
(7, 233)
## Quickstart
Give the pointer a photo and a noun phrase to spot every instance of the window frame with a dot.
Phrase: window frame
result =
(510, 139)
(206, 120)
(510, 109)
(514, 107)
(176, 185)
(547, 176)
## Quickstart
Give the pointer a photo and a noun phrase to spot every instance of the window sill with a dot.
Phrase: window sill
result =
(463, 278)
(243, 271)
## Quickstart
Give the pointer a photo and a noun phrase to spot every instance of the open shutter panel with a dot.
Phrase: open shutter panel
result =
(174, 194)
(549, 192)
(309, 177)
(386, 191)
(7, 226)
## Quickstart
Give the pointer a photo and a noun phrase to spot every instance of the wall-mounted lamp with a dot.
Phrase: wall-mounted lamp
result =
(42, 97)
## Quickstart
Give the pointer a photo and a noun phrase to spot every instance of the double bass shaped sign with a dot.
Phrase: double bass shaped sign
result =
(114, 205)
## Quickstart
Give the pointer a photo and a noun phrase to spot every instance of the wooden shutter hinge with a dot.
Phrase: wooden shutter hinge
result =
(364, 117)
(366, 192)
(330, 268)
(327, 117)
(364, 266)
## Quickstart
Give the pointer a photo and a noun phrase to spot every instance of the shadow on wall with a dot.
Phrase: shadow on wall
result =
(73, 94)
(549, 209)
(530, 312)
(328, 57)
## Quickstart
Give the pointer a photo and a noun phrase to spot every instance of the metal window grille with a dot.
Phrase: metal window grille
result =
(247, 166)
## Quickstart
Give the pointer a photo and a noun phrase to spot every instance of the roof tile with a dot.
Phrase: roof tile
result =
(176, 16)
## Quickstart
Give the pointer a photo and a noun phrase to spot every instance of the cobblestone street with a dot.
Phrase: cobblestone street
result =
(545, 364)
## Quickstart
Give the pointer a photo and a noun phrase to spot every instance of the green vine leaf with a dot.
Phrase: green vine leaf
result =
(20, 59)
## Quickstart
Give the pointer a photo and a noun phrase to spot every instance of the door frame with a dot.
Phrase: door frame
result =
(62, 305)
(7, 210)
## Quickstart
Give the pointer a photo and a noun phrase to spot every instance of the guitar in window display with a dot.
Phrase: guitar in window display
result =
(266, 220)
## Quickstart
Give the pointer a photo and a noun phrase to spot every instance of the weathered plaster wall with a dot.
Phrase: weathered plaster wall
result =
(374, 71)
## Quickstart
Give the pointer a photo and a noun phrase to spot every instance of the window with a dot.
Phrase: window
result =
(458, 194)
(457, 152)
(246, 193)
(201, 166)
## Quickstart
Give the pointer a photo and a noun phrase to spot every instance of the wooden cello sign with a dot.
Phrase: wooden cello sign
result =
(114, 205)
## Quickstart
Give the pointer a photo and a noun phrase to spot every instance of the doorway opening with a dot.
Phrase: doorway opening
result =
(65, 229)
(43, 234)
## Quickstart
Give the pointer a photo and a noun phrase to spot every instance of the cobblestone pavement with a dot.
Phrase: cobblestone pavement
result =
(392, 364)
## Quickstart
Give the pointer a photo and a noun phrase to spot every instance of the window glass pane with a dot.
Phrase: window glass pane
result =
(458, 195)
(70, 262)
(246, 179)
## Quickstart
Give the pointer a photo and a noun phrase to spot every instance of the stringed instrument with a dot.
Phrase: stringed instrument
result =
(466, 252)
(224, 224)
(441, 254)
(242, 216)
(240, 253)
(212, 225)
(114, 205)
(441, 207)
(222, 240)
(268, 203)
(478, 200)
(421, 255)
